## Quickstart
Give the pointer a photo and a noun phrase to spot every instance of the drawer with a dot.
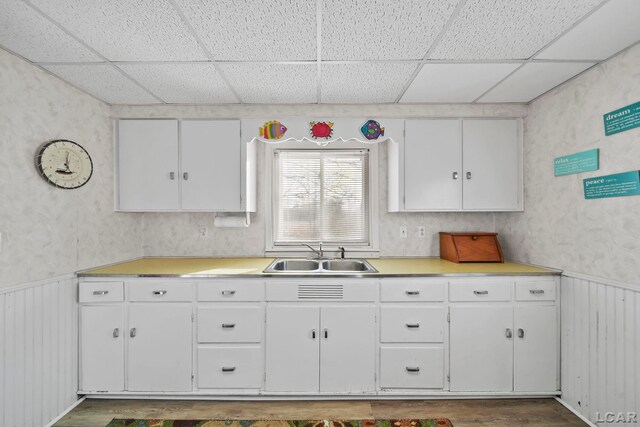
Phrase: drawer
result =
(539, 290)
(480, 291)
(101, 292)
(240, 323)
(412, 367)
(411, 323)
(230, 367)
(231, 290)
(409, 290)
(160, 291)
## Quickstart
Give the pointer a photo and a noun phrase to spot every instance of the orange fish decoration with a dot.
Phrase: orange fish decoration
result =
(272, 130)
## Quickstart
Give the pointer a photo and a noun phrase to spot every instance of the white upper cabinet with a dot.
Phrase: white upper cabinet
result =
(456, 165)
(184, 165)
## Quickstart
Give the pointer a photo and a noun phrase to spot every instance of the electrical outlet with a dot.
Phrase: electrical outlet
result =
(421, 231)
(403, 231)
(203, 231)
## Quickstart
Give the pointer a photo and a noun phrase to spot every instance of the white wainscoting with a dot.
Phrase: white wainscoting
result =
(600, 367)
(38, 351)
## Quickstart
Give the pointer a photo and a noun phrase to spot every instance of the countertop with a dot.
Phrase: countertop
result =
(253, 267)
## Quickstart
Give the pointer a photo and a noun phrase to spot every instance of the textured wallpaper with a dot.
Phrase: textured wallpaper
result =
(167, 234)
(48, 231)
(559, 228)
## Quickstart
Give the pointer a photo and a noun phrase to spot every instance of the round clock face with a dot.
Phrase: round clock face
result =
(64, 164)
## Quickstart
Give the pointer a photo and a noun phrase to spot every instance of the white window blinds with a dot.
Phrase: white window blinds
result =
(321, 195)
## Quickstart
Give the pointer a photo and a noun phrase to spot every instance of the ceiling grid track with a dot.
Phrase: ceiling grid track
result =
(441, 34)
(206, 51)
(319, 51)
(531, 59)
(92, 50)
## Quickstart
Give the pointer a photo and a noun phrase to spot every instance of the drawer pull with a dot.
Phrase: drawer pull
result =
(536, 291)
(116, 332)
(228, 325)
(228, 292)
(412, 368)
(412, 292)
(228, 368)
(520, 333)
(132, 333)
(413, 325)
(100, 292)
(481, 292)
(160, 293)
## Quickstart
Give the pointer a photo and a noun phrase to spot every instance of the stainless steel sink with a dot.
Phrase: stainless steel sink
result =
(313, 266)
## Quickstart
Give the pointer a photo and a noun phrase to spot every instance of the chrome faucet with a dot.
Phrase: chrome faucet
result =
(318, 252)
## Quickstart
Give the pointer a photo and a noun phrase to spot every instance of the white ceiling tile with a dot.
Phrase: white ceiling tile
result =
(104, 82)
(455, 82)
(609, 30)
(534, 79)
(364, 82)
(273, 83)
(278, 30)
(126, 30)
(27, 33)
(197, 83)
(381, 29)
(508, 29)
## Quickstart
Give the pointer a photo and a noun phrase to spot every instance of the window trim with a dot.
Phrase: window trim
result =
(293, 249)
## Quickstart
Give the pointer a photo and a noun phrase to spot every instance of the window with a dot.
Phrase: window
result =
(321, 195)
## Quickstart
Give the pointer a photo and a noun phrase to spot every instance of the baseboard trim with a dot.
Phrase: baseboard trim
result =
(576, 413)
(65, 412)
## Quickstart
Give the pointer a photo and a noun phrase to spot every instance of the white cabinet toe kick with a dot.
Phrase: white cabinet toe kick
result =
(247, 338)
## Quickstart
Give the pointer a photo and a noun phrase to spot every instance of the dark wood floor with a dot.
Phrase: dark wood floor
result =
(462, 413)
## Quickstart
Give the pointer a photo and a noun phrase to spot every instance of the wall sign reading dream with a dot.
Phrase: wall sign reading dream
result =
(622, 119)
(575, 163)
(618, 185)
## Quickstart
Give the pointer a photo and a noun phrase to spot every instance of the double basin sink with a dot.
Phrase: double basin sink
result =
(320, 266)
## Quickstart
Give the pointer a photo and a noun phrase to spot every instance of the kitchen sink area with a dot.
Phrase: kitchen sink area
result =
(319, 266)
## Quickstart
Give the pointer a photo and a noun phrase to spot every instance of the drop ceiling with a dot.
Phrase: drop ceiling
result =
(317, 51)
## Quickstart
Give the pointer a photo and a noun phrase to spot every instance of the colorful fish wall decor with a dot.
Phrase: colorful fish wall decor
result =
(372, 130)
(321, 129)
(272, 130)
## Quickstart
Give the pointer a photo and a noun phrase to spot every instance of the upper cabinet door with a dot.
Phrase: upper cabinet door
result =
(148, 165)
(211, 165)
(432, 165)
(491, 162)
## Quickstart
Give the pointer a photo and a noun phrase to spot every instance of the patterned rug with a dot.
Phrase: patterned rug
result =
(440, 422)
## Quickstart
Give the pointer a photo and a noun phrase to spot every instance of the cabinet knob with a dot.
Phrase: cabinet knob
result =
(413, 325)
(455, 175)
(228, 325)
(412, 368)
(508, 333)
(536, 291)
(326, 334)
(226, 293)
(100, 292)
(159, 293)
(116, 332)
(132, 333)
(228, 368)
(172, 176)
(412, 292)
(185, 176)
(468, 175)
(520, 333)
(481, 292)
(313, 334)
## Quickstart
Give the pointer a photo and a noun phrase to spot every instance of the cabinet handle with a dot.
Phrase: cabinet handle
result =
(185, 176)
(412, 292)
(481, 292)
(520, 333)
(326, 334)
(160, 293)
(116, 332)
(455, 175)
(313, 334)
(228, 325)
(468, 175)
(412, 368)
(132, 333)
(413, 325)
(509, 333)
(172, 176)
(100, 292)
(228, 292)
(536, 291)
(228, 368)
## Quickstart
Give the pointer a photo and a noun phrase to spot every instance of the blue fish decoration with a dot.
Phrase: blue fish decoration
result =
(372, 130)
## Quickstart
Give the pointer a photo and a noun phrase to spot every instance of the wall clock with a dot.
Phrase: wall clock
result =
(64, 163)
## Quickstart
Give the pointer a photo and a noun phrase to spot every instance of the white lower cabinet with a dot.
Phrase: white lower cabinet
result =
(412, 367)
(230, 367)
(326, 348)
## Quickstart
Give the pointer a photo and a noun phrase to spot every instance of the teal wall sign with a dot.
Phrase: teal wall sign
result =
(618, 185)
(575, 163)
(622, 119)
